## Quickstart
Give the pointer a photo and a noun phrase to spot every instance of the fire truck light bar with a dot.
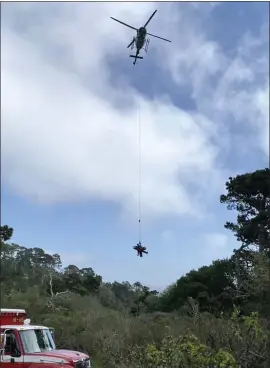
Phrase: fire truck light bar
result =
(12, 316)
(12, 311)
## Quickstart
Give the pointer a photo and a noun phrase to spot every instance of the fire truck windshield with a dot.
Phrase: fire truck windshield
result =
(37, 340)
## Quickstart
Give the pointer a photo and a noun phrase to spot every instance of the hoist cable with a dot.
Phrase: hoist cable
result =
(139, 172)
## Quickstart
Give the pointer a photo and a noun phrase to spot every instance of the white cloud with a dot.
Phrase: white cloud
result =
(243, 91)
(232, 90)
(215, 245)
(64, 142)
(64, 139)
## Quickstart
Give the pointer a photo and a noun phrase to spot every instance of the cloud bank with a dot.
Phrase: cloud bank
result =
(69, 134)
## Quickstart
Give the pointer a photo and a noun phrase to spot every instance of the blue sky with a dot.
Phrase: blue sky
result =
(71, 102)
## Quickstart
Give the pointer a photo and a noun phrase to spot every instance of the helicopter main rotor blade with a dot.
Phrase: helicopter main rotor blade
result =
(119, 21)
(131, 43)
(164, 39)
(150, 18)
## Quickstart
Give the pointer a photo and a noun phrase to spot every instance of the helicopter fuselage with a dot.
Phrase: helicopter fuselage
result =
(140, 39)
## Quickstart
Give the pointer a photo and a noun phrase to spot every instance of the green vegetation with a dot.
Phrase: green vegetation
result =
(216, 316)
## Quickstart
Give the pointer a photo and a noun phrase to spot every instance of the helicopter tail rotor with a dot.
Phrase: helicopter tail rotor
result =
(137, 57)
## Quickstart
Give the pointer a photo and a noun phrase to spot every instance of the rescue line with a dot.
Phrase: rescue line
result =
(139, 247)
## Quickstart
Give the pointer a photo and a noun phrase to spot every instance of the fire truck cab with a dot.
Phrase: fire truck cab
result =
(23, 345)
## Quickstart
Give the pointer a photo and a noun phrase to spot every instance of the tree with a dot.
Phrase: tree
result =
(207, 285)
(6, 233)
(81, 281)
(123, 292)
(249, 195)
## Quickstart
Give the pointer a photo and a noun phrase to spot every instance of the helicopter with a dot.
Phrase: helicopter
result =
(140, 39)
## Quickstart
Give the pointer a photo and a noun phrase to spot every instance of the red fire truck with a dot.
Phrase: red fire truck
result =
(27, 346)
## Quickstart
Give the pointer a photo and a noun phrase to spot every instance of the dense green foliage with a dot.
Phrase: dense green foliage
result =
(216, 316)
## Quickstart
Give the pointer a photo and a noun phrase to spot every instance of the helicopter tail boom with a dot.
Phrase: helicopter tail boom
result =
(135, 57)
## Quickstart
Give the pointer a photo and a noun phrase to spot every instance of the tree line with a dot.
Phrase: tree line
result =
(241, 282)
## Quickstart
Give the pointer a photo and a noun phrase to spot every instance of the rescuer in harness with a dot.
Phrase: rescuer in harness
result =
(140, 249)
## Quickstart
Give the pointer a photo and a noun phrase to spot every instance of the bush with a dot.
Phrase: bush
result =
(185, 351)
(117, 340)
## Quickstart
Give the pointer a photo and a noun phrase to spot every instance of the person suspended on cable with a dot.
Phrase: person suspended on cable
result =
(140, 249)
